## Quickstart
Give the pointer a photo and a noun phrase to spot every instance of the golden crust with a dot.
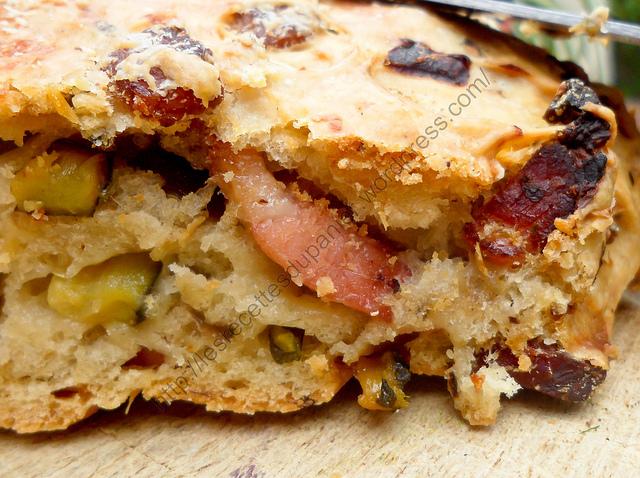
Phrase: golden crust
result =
(344, 62)
(50, 415)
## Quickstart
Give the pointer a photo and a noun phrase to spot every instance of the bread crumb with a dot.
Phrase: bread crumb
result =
(524, 363)
(39, 215)
(318, 364)
(32, 206)
(324, 286)
(409, 179)
(612, 351)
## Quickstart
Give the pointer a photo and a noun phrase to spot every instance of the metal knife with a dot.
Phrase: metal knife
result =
(551, 19)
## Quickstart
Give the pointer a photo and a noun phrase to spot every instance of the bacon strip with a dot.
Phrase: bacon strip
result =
(560, 177)
(306, 238)
(552, 185)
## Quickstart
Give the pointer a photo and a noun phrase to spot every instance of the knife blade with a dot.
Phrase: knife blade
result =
(552, 19)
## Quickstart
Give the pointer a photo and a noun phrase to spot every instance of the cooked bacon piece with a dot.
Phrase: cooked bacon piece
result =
(418, 59)
(560, 177)
(553, 371)
(551, 185)
(572, 96)
(307, 238)
(281, 26)
(166, 107)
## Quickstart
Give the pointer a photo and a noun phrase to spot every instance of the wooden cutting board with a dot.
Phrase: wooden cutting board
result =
(534, 436)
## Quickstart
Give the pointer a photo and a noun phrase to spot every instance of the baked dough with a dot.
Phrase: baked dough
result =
(294, 193)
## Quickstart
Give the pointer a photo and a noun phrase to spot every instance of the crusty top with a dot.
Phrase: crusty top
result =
(373, 75)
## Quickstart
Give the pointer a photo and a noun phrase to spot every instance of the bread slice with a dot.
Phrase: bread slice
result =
(244, 205)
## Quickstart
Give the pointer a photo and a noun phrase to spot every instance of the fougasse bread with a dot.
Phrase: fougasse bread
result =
(246, 205)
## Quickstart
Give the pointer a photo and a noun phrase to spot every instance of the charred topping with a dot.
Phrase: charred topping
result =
(401, 372)
(174, 37)
(281, 26)
(416, 58)
(569, 102)
(173, 105)
(560, 177)
(167, 110)
(587, 132)
(553, 371)
(178, 39)
(386, 397)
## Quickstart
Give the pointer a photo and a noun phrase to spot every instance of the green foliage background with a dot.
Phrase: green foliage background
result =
(627, 56)
(613, 63)
(626, 9)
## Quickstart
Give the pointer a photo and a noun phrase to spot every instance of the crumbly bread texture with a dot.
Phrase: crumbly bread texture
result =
(503, 197)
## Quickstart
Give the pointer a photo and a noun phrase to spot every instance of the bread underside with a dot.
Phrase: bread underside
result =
(333, 116)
